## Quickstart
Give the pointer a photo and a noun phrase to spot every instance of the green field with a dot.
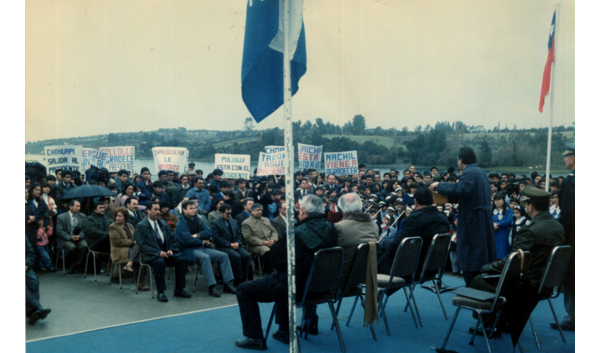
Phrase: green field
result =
(240, 140)
(385, 141)
(567, 134)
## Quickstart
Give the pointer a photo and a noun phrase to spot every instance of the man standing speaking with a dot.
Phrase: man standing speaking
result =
(475, 244)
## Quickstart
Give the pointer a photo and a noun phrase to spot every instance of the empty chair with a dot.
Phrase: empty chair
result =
(433, 268)
(554, 274)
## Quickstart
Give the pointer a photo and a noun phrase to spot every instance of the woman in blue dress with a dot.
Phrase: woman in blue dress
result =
(502, 218)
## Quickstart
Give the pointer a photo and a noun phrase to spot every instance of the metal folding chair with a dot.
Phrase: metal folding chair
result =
(496, 302)
(323, 280)
(554, 274)
(94, 253)
(401, 276)
(432, 270)
(356, 276)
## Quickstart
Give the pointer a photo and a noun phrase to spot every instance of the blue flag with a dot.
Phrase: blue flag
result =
(262, 63)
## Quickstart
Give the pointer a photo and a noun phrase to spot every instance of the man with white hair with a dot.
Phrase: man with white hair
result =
(312, 233)
(355, 228)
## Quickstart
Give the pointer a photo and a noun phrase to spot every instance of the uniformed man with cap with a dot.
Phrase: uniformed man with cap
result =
(566, 199)
(539, 237)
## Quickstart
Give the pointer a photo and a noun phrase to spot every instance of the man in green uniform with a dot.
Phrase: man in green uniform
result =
(538, 237)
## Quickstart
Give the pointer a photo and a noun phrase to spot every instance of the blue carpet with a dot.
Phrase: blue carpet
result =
(215, 330)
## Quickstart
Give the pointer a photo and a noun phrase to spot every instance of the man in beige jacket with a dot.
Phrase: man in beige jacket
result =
(259, 236)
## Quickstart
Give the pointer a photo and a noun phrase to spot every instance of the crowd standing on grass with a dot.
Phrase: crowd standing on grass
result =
(186, 219)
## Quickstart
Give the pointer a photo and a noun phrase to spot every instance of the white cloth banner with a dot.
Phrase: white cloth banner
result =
(274, 149)
(309, 157)
(65, 157)
(234, 166)
(171, 158)
(271, 164)
(341, 163)
(89, 157)
(116, 158)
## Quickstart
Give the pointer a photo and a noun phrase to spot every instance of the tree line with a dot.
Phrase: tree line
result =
(429, 145)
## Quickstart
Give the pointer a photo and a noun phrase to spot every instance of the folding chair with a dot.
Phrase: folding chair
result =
(553, 276)
(324, 278)
(356, 276)
(94, 253)
(63, 262)
(433, 266)
(404, 266)
(482, 302)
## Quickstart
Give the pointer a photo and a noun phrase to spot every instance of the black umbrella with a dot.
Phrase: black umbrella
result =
(87, 191)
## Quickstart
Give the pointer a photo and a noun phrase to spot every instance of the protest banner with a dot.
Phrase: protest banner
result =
(65, 157)
(309, 157)
(171, 158)
(274, 149)
(271, 163)
(341, 163)
(89, 157)
(234, 166)
(116, 158)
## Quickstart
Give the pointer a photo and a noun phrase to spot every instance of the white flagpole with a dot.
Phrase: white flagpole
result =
(289, 179)
(553, 75)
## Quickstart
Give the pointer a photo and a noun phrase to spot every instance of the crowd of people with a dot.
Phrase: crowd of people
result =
(185, 219)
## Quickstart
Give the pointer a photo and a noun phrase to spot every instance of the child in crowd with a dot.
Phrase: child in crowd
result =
(453, 255)
(43, 260)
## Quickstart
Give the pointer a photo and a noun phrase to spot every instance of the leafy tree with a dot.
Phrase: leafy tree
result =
(249, 124)
(485, 157)
(359, 124)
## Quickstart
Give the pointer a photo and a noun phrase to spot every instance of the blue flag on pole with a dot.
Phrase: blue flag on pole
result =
(262, 63)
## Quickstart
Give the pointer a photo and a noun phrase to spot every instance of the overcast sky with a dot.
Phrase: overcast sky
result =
(96, 67)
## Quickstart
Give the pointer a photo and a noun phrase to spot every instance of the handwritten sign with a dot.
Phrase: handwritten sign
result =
(234, 166)
(341, 163)
(309, 157)
(271, 164)
(116, 158)
(89, 157)
(65, 157)
(170, 158)
(274, 149)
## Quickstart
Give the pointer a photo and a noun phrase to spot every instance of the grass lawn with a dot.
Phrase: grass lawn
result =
(384, 141)
(240, 140)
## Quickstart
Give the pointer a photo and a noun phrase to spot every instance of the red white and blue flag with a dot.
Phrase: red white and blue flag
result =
(548, 67)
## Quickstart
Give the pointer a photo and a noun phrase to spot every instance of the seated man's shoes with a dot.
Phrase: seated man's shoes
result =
(228, 288)
(213, 292)
(283, 337)
(182, 294)
(563, 326)
(257, 344)
(141, 286)
(162, 297)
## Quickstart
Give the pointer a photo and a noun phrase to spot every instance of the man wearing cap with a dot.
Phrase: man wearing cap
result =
(475, 244)
(539, 237)
(566, 198)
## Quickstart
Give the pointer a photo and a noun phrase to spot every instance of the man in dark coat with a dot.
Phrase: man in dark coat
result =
(425, 222)
(312, 233)
(475, 244)
(61, 188)
(95, 228)
(33, 308)
(227, 237)
(566, 197)
(158, 248)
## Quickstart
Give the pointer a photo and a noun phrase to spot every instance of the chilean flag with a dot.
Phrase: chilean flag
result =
(548, 67)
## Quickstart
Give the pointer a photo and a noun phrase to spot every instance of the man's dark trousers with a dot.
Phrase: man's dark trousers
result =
(268, 289)
(159, 265)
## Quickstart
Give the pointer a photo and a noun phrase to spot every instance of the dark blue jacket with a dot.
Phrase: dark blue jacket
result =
(186, 243)
(475, 244)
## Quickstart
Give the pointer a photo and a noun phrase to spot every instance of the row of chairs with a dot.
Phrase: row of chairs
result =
(323, 284)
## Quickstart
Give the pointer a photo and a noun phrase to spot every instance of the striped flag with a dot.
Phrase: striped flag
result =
(548, 67)
(262, 63)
